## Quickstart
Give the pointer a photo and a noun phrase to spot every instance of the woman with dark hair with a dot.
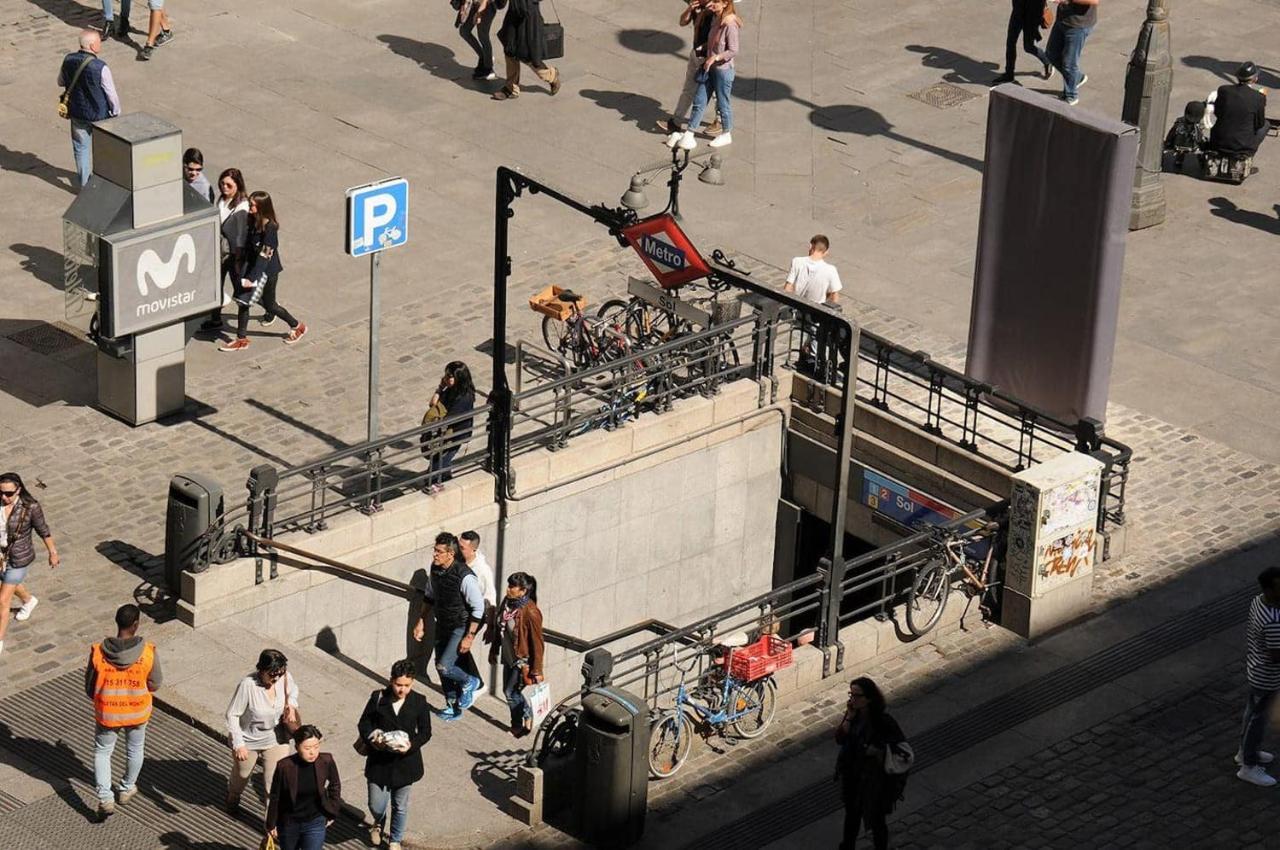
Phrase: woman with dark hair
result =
(865, 733)
(454, 396)
(395, 725)
(262, 710)
(19, 514)
(715, 77)
(522, 648)
(262, 255)
(306, 794)
(233, 217)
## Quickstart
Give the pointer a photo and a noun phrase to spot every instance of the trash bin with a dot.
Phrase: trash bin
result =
(612, 791)
(195, 504)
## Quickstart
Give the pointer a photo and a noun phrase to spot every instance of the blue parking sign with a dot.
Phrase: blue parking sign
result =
(377, 216)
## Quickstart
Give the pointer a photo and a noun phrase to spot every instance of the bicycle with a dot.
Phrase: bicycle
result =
(932, 584)
(586, 342)
(718, 701)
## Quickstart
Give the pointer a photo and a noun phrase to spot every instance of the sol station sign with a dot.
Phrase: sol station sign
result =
(667, 252)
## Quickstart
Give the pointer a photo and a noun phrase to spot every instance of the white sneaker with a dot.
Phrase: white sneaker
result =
(687, 141)
(24, 613)
(673, 139)
(484, 686)
(1083, 79)
(721, 140)
(1257, 775)
(1264, 757)
(394, 845)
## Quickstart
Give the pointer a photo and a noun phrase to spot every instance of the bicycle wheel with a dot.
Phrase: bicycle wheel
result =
(670, 739)
(553, 333)
(929, 594)
(759, 701)
(614, 311)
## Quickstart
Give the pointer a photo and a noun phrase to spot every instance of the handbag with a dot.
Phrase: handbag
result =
(553, 36)
(64, 100)
(268, 843)
(1046, 17)
(289, 723)
(539, 698)
(249, 297)
(899, 758)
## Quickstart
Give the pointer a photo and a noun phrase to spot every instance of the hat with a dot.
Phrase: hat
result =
(1247, 71)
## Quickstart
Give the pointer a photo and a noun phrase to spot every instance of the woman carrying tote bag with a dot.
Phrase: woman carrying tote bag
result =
(523, 41)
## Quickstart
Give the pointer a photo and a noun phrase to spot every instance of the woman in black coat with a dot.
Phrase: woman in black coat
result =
(395, 725)
(869, 792)
(524, 41)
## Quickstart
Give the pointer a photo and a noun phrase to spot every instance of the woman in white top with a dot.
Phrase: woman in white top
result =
(263, 701)
(233, 218)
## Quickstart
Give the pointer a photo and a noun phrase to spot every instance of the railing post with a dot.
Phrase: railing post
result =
(262, 483)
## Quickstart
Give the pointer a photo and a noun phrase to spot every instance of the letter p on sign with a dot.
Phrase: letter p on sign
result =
(377, 216)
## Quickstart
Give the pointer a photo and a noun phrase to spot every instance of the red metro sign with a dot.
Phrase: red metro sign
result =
(667, 252)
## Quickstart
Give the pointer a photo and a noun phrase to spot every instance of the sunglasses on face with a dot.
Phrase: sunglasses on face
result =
(8, 493)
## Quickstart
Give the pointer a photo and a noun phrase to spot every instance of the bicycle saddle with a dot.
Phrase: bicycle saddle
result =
(569, 297)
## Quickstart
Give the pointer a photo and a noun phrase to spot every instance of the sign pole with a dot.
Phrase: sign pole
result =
(374, 310)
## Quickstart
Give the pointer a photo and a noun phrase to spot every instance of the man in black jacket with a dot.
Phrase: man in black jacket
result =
(395, 725)
(1241, 113)
(453, 595)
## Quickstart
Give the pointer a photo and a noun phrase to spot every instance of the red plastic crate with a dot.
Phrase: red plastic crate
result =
(759, 659)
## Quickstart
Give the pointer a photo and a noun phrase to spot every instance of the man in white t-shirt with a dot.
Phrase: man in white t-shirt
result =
(812, 277)
(469, 543)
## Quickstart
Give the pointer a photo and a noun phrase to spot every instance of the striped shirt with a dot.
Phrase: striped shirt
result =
(1262, 637)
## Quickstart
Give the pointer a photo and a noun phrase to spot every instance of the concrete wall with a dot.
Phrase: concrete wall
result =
(670, 517)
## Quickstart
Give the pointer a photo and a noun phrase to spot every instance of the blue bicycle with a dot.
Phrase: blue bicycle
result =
(718, 701)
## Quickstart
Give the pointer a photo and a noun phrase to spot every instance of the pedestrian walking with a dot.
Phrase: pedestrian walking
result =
(477, 16)
(865, 734)
(89, 92)
(20, 514)
(1075, 20)
(1262, 674)
(109, 26)
(306, 794)
(454, 396)
(395, 725)
(453, 594)
(158, 31)
(715, 76)
(260, 717)
(122, 674)
(469, 543)
(523, 41)
(233, 218)
(522, 648)
(1026, 17)
(698, 15)
(262, 255)
(193, 173)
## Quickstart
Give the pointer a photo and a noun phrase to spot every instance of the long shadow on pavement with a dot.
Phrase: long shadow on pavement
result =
(960, 68)
(42, 263)
(439, 60)
(25, 162)
(1225, 69)
(1224, 208)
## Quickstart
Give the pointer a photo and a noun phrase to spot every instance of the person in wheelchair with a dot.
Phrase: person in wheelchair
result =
(1240, 112)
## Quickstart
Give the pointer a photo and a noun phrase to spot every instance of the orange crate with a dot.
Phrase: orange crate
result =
(759, 659)
(546, 302)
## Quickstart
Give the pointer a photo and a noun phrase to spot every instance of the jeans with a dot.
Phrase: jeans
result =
(269, 303)
(302, 834)
(685, 102)
(452, 677)
(379, 797)
(483, 46)
(104, 744)
(1064, 48)
(124, 9)
(720, 81)
(82, 150)
(512, 689)
(1030, 35)
(1256, 706)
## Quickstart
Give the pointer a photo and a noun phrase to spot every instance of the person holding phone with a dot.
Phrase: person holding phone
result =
(869, 793)
(698, 15)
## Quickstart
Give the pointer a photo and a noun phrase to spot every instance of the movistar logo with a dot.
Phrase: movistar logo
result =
(164, 273)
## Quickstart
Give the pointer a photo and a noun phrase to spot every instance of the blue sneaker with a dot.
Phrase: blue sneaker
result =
(468, 697)
(449, 714)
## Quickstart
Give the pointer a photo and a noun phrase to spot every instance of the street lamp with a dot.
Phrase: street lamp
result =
(1146, 106)
(636, 199)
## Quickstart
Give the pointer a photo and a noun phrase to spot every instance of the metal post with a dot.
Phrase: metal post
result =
(374, 309)
(500, 396)
(840, 498)
(1146, 105)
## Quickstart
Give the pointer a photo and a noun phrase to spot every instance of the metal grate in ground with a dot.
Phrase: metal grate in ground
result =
(971, 727)
(9, 803)
(180, 791)
(943, 95)
(45, 338)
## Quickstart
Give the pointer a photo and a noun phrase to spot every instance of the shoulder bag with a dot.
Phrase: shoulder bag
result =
(553, 36)
(290, 722)
(64, 100)
(1046, 17)
(361, 745)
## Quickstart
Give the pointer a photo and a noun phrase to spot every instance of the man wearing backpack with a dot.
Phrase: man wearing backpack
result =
(89, 92)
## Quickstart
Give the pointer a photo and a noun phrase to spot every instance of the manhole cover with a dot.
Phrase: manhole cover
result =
(45, 339)
(943, 95)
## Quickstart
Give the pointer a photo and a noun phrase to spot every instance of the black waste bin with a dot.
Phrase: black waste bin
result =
(195, 504)
(612, 791)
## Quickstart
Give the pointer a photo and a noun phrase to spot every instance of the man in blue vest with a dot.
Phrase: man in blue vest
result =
(91, 97)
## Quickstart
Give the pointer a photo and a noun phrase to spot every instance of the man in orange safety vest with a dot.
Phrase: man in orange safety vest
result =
(123, 672)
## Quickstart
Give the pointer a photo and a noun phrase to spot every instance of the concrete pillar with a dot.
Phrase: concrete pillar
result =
(1146, 105)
